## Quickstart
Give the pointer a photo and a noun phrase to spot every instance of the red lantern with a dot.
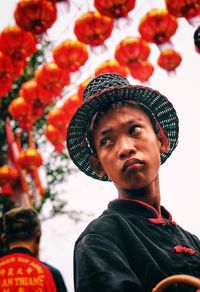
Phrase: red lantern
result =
(36, 110)
(132, 49)
(183, 8)
(111, 66)
(157, 26)
(58, 117)
(6, 74)
(141, 70)
(32, 93)
(35, 15)
(24, 112)
(70, 55)
(56, 1)
(169, 60)
(8, 174)
(71, 104)
(56, 136)
(30, 159)
(93, 28)
(114, 8)
(17, 43)
(6, 190)
(51, 78)
(82, 87)
(18, 108)
(19, 67)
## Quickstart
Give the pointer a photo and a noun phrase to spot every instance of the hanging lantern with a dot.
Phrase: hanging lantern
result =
(32, 93)
(114, 8)
(57, 1)
(17, 43)
(132, 49)
(35, 15)
(183, 8)
(51, 78)
(36, 110)
(197, 38)
(19, 67)
(93, 28)
(82, 87)
(8, 174)
(56, 136)
(6, 74)
(158, 26)
(6, 190)
(24, 112)
(70, 55)
(58, 117)
(141, 70)
(169, 59)
(71, 104)
(18, 108)
(30, 159)
(111, 66)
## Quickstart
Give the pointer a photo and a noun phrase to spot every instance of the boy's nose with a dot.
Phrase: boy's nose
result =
(126, 148)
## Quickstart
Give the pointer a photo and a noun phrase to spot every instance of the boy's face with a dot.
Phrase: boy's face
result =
(128, 150)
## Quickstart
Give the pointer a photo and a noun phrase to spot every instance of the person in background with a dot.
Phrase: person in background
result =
(20, 268)
(122, 133)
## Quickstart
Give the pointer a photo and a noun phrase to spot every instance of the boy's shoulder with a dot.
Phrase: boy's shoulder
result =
(101, 225)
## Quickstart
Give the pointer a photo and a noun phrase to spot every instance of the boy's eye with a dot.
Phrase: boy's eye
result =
(134, 130)
(105, 141)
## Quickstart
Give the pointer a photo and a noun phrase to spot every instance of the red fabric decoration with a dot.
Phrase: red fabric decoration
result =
(114, 8)
(111, 66)
(93, 28)
(130, 50)
(51, 78)
(169, 59)
(158, 26)
(70, 55)
(35, 15)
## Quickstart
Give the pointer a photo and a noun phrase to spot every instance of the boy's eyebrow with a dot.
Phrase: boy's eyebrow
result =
(105, 131)
(110, 129)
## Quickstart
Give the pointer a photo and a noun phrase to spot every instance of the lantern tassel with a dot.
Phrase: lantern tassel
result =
(36, 178)
(31, 140)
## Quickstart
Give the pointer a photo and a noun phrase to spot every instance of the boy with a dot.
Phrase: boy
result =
(123, 133)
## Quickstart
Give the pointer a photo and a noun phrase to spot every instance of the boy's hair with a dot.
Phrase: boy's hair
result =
(20, 224)
(105, 109)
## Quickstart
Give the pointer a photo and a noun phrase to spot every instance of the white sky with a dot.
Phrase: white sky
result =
(179, 176)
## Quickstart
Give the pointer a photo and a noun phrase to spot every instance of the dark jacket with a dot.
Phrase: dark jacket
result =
(130, 248)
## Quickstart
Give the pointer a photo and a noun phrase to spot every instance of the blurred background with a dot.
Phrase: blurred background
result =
(42, 78)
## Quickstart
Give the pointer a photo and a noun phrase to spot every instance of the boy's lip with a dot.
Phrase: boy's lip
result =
(131, 162)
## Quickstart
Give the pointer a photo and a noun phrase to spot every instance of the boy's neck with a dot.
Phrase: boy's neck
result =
(149, 195)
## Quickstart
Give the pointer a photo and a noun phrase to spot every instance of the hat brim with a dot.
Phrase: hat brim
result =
(157, 103)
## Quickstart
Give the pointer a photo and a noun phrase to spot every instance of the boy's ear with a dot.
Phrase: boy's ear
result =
(38, 235)
(96, 165)
(164, 142)
(4, 238)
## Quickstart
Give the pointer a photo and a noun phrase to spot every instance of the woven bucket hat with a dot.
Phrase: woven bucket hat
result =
(104, 90)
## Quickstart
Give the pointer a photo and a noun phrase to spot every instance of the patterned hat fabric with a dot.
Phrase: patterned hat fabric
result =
(103, 91)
